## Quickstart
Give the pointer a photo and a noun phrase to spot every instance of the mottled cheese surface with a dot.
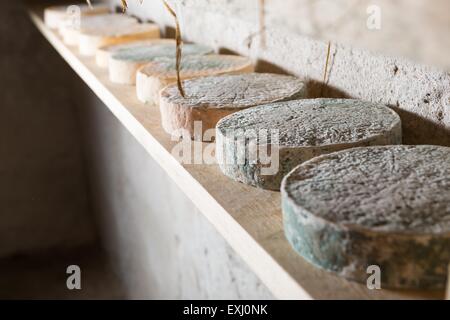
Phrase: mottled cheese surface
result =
(196, 66)
(154, 51)
(235, 91)
(395, 188)
(316, 122)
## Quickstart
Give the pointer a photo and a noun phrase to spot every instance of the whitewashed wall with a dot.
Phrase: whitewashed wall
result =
(419, 92)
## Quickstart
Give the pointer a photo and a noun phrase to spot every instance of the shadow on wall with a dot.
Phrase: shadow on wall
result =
(169, 32)
(416, 129)
(223, 50)
(316, 89)
(415, 126)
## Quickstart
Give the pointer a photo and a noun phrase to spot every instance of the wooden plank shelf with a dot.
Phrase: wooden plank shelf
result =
(248, 219)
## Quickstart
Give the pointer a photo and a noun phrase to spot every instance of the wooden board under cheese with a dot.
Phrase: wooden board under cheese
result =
(104, 53)
(296, 131)
(373, 208)
(92, 39)
(152, 78)
(209, 99)
(54, 15)
(124, 65)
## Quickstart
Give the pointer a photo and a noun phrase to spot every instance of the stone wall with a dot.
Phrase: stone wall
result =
(419, 92)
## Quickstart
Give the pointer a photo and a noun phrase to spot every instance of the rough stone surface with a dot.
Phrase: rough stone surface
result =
(306, 128)
(419, 93)
(209, 99)
(410, 28)
(90, 39)
(386, 206)
(103, 54)
(124, 64)
(152, 78)
(55, 15)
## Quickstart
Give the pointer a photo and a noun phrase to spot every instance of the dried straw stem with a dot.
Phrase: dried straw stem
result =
(179, 44)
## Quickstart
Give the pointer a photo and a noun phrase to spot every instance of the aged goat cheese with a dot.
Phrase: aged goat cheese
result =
(123, 65)
(104, 53)
(384, 206)
(54, 15)
(152, 78)
(260, 145)
(208, 99)
(91, 39)
(70, 29)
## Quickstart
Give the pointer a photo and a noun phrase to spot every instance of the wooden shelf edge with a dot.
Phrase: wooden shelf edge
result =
(214, 212)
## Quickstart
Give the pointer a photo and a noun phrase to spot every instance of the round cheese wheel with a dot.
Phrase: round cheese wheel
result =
(209, 99)
(70, 30)
(152, 78)
(104, 53)
(54, 15)
(124, 65)
(373, 208)
(93, 38)
(288, 133)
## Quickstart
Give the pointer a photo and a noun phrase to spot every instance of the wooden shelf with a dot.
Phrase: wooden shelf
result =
(249, 219)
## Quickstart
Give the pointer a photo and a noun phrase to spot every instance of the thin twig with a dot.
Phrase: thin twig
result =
(325, 72)
(262, 27)
(326, 63)
(124, 6)
(179, 44)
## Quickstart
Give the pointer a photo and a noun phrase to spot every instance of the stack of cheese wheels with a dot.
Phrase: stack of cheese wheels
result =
(92, 39)
(209, 99)
(55, 15)
(380, 207)
(259, 146)
(104, 53)
(70, 30)
(124, 65)
(152, 78)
